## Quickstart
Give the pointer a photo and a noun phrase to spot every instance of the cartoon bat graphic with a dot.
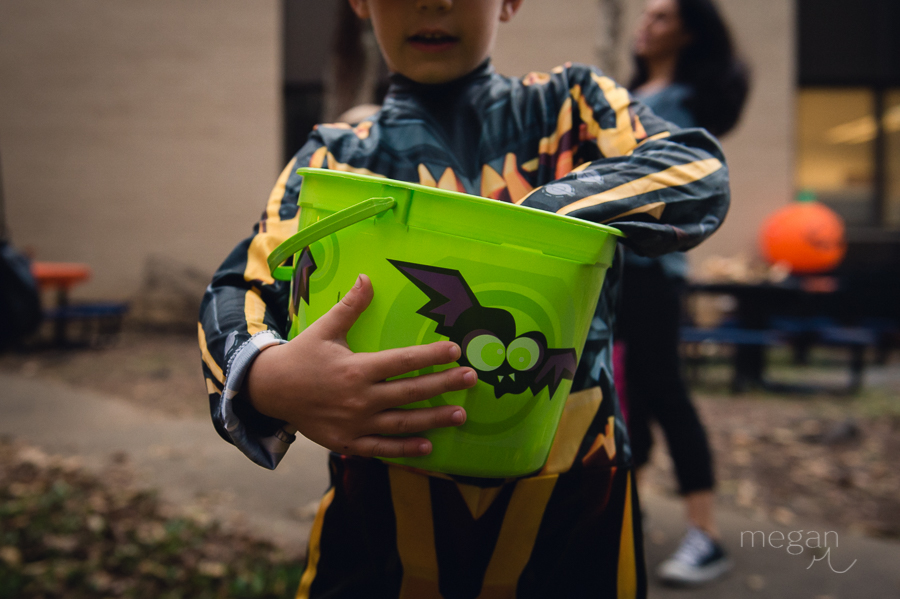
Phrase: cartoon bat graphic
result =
(487, 336)
(300, 283)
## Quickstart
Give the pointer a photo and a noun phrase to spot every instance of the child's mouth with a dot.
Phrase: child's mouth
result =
(432, 42)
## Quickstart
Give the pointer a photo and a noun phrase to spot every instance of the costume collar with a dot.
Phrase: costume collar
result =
(401, 85)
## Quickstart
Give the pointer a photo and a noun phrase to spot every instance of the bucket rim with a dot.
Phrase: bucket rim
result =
(570, 220)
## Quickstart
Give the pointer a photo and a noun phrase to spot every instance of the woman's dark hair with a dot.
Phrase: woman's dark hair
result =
(709, 65)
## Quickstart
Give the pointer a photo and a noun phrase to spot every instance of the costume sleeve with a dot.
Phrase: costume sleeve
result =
(244, 311)
(666, 188)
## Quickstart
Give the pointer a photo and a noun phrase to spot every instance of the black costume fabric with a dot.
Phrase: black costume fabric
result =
(571, 142)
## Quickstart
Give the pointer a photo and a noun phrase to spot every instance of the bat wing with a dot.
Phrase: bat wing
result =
(559, 364)
(300, 284)
(307, 267)
(448, 293)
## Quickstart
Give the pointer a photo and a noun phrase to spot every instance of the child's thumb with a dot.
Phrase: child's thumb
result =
(336, 323)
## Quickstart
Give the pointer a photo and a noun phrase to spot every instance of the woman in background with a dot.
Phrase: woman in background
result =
(687, 72)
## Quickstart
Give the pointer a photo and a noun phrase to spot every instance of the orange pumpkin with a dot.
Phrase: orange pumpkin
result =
(806, 235)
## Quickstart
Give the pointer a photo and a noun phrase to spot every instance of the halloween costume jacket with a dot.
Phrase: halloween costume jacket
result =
(571, 142)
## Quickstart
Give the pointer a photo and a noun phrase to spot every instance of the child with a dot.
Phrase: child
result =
(570, 142)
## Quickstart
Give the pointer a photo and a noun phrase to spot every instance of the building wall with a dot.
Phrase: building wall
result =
(131, 128)
(760, 151)
(542, 36)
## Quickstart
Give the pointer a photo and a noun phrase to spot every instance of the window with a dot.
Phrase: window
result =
(307, 40)
(892, 159)
(848, 152)
(848, 109)
(835, 149)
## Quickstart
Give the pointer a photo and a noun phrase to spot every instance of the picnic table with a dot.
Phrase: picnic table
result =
(795, 312)
(60, 277)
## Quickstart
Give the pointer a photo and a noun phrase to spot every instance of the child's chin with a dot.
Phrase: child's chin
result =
(437, 73)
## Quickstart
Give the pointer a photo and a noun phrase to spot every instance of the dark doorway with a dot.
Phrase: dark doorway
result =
(308, 29)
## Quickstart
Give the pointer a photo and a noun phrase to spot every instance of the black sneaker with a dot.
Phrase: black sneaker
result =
(699, 559)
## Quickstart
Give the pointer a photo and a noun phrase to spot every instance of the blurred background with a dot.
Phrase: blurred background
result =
(130, 130)
(139, 142)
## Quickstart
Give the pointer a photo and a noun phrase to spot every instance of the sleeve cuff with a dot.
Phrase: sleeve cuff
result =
(267, 450)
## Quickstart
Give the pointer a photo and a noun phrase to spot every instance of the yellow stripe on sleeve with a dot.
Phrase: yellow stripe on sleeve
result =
(318, 157)
(254, 312)
(655, 210)
(207, 357)
(261, 246)
(277, 195)
(211, 386)
(674, 176)
(272, 231)
(315, 549)
(621, 140)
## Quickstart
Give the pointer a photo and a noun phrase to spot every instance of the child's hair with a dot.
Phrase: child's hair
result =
(710, 66)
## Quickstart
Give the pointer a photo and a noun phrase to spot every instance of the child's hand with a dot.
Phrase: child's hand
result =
(340, 399)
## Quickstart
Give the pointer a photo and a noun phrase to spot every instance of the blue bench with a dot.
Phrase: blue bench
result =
(800, 333)
(805, 333)
(99, 322)
(730, 336)
(742, 339)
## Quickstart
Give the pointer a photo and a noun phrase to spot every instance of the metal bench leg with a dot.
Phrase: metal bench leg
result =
(749, 368)
(857, 365)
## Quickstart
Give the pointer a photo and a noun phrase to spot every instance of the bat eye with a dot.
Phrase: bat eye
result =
(523, 353)
(485, 352)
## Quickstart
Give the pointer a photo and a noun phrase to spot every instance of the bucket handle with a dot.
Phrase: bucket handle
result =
(323, 228)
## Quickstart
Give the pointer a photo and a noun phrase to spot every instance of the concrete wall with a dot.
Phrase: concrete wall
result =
(545, 34)
(760, 151)
(132, 128)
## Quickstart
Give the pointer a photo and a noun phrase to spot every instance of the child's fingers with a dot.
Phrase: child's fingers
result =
(376, 446)
(335, 323)
(394, 362)
(405, 422)
(400, 392)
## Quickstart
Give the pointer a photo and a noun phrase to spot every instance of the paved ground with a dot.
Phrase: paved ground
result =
(183, 457)
(772, 572)
(190, 464)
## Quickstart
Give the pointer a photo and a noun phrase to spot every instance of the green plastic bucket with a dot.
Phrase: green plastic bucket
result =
(515, 287)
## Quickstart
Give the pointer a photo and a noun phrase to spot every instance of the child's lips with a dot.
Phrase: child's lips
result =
(432, 41)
